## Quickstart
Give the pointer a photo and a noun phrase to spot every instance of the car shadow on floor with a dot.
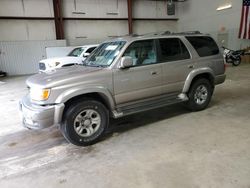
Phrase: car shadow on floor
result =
(145, 118)
(26, 141)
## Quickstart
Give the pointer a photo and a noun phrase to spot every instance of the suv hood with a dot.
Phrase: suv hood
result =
(62, 76)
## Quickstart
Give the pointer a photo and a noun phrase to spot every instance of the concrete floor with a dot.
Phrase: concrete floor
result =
(168, 147)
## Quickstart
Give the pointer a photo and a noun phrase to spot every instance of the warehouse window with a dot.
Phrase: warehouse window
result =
(205, 46)
(172, 49)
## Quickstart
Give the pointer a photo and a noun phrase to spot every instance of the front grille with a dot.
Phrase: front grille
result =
(42, 66)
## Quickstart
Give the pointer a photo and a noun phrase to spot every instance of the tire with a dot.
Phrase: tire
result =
(199, 94)
(84, 123)
(237, 61)
(3, 74)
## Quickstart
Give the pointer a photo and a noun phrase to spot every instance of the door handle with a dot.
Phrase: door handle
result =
(191, 66)
(153, 72)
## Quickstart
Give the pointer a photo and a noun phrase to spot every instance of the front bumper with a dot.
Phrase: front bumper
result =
(39, 117)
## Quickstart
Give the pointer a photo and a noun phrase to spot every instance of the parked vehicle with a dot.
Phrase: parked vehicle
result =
(3, 74)
(121, 77)
(76, 56)
(231, 56)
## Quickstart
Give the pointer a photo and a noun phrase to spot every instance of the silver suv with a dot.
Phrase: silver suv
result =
(122, 77)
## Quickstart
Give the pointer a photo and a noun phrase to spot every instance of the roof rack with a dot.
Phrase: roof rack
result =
(132, 35)
(188, 33)
(158, 33)
(172, 33)
(162, 33)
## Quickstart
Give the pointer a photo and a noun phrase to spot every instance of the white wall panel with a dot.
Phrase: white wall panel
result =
(18, 58)
(95, 8)
(85, 41)
(142, 27)
(41, 8)
(26, 8)
(102, 8)
(151, 9)
(13, 30)
(58, 51)
(202, 15)
(41, 30)
(94, 29)
(11, 8)
(103, 29)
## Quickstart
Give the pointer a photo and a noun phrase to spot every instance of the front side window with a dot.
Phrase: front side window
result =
(142, 52)
(76, 52)
(104, 54)
(172, 49)
(204, 45)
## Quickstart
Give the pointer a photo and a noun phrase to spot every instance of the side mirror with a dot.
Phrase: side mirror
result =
(86, 54)
(126, 62)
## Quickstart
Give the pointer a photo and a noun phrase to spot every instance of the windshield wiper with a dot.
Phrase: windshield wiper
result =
(84, 63)
(97, 65)
(93, 64)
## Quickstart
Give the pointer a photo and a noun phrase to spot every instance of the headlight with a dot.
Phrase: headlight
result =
(38, 94)
(53, 64)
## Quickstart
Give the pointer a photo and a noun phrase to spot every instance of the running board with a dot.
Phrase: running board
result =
(126, 110)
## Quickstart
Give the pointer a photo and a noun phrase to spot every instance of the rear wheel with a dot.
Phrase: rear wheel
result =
(199, 94)
(85, 122)
(237, 61)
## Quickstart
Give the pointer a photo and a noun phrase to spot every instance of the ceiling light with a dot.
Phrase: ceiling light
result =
(224, 7)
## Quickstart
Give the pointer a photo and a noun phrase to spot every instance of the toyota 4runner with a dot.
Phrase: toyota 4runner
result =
(124, 76)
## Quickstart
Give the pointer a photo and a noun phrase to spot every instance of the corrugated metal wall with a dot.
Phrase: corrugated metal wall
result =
(22, 57)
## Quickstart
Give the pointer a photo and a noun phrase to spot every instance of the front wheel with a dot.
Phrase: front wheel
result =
(199, 94)
(237, 61)
(84, 123)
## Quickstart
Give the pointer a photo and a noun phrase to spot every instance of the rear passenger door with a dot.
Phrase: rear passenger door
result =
(177, 63)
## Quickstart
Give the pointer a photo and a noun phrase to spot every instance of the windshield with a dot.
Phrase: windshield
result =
(76, 52)
(104, 54)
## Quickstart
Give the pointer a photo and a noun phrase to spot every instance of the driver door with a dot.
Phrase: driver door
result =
(144, 79)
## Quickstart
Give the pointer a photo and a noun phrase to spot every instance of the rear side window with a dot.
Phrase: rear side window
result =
(205, 46)
(172, 49)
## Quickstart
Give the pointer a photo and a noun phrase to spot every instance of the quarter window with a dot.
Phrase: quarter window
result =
(142, 52)
(172, 49)
(205, 46)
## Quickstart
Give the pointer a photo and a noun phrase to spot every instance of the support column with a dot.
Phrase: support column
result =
(57, 5)
(130, 24)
